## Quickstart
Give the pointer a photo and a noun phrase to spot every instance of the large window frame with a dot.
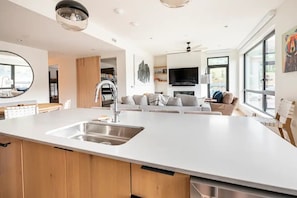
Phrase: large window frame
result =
(217, 65)
(264, 92)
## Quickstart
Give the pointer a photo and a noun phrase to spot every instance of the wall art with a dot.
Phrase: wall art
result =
(141, 71)
(290, 50)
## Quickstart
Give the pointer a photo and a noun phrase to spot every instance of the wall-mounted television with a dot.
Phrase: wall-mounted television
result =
(187, 76)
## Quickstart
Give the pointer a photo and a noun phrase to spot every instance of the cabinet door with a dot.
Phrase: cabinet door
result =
(10, 168)
(44, 171)
(110, 178)
(157, 184)
(88, 75)
(78, 173)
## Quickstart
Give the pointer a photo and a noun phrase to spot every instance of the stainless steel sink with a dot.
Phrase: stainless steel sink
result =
(104, 133)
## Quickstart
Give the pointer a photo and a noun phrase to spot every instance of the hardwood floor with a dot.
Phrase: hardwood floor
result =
(237, 112)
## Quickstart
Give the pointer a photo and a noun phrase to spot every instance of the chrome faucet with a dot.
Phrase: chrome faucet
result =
(116, 112)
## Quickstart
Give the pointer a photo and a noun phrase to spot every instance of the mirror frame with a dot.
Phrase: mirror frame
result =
(15, 54)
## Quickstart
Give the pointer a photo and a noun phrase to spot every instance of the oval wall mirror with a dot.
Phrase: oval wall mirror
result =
(16, 75)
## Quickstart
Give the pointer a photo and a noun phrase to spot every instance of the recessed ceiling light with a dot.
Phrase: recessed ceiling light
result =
(226, 26)
(134, 24)
(118, 10)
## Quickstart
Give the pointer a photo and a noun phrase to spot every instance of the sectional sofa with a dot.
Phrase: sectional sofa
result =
(159, 102)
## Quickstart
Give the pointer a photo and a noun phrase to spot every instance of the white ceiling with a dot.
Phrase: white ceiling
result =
(161, 29)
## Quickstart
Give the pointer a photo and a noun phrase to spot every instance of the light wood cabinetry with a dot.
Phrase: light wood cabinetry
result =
(88, 75)
(150, 182)
(44, 171)
(53, 172)
(78, 175)
(110, 178)
(93, 176)
(10, 168)
(32, 170)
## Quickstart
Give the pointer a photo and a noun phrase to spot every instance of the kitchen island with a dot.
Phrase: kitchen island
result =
(235, 150)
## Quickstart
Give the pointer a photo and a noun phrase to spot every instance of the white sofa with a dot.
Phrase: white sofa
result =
(158, 102)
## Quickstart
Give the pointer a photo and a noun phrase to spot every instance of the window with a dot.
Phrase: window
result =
(218, 68)
(259, 76)
(15, 76)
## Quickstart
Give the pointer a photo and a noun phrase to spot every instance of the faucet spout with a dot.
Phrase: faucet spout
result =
(116, 112)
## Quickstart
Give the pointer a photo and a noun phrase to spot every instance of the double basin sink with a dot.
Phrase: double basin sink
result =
(92, 131)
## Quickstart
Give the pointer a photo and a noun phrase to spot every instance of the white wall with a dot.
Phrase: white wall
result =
(192, 59)
(38, 59)
(286, 20)
(67, 77)
(133, 86)
(285, 82)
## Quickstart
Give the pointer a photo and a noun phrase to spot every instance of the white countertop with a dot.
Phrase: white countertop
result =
(230, 149)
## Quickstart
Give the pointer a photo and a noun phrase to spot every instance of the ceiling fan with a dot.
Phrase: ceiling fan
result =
(189, 49)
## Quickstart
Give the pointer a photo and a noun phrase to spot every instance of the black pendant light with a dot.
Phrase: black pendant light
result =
(72, 15)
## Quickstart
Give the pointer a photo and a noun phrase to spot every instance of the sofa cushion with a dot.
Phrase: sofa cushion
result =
(174, 101)
(188, 100)
(140, 99)
(218, 95)
(228, 97)
(128, 100)
(157, 99)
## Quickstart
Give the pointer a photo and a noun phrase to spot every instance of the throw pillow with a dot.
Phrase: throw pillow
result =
(140, 99)
(157, 99)
(174, 101)
(228, 97)
(218, 95)
(128, 100)
(188, 100)
(153, 99)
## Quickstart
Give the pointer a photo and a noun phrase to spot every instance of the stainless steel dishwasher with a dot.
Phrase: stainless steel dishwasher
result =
(205, 188)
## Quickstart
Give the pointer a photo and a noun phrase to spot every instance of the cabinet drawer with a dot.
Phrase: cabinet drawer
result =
(157, 183)
(6, 139)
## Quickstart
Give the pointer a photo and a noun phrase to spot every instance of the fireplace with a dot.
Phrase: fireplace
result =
(184, 92)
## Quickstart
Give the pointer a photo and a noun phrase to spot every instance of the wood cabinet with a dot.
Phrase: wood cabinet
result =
(88, 75)
(110, 178)
(151, 182)
(44, 171)
(10, 168)
(52, 172)
(78, 174)
(93, 176)
(33, 170)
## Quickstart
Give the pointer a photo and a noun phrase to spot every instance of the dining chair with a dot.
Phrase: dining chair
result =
(282, 120)
(20, 111)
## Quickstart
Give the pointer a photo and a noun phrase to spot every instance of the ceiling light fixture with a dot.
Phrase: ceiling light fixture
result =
(174, 3)
(72, 15)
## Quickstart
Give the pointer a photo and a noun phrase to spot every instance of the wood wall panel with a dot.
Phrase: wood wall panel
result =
(88, 75)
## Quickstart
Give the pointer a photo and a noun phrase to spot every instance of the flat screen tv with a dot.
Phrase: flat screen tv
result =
(187, 76)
